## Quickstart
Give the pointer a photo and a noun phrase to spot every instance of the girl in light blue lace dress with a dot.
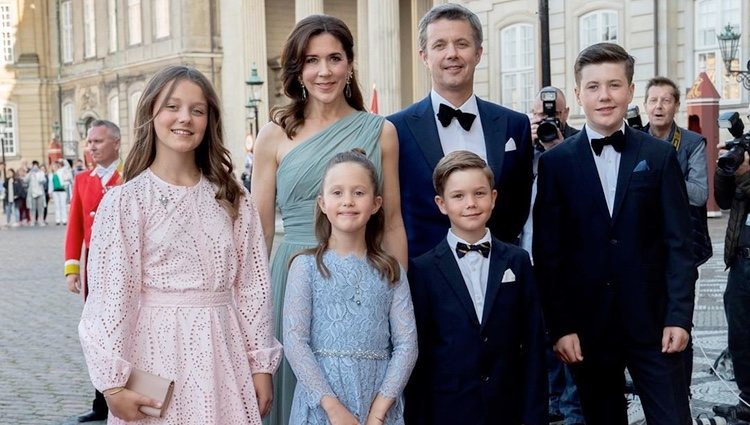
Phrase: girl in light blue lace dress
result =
(349, 330)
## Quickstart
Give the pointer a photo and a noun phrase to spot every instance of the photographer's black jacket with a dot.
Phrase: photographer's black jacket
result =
(733, 192)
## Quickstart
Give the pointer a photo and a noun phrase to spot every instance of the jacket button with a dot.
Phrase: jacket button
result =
(485, 378)
(92, 213)
(608, 284)
(485, 339)
(613, 241)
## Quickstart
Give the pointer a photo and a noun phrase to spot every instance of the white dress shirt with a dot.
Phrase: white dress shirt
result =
(454, 137)
(106, 173)
(474, 268)
(607, 165)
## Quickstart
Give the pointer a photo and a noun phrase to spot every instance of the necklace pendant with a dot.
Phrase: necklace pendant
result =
(164, 200)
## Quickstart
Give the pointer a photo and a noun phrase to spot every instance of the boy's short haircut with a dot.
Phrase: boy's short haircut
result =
(664, 81)
(457, 161)
(604, 53)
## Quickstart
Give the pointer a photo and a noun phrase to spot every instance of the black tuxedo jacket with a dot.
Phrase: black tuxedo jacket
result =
(420, 150)
(631, 272)
(470, 372)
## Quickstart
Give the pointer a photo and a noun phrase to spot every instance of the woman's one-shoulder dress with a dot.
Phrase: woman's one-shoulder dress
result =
(298, 180)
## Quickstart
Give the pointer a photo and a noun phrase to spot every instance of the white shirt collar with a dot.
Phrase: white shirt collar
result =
(103, 171)
(469, 106)
(594, 135)
(453, 239)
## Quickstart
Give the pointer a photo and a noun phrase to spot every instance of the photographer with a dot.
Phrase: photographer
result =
(549, 128)
(732, 190)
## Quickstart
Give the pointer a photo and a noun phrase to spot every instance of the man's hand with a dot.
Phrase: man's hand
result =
(674, 339)
(263, 384)
(568, 349)
(743, 168)
(74, 283)
(546, 145)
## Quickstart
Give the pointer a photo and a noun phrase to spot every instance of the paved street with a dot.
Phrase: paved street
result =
(43, 378)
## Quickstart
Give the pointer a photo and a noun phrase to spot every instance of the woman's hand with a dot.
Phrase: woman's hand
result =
(125, 404)
(263, 384)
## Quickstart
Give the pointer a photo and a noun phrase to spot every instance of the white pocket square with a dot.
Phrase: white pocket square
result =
(508, 276)
(510, 145)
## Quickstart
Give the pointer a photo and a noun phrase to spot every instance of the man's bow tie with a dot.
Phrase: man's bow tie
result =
(482, 248)
(616, 140)
(446, 114)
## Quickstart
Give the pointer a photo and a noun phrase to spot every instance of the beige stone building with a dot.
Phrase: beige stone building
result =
(73, 61)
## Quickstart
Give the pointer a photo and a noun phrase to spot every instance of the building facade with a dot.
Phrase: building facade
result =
(68, 62)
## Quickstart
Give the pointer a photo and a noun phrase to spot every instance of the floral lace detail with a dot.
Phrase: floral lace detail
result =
(179, 290)
(336, 331)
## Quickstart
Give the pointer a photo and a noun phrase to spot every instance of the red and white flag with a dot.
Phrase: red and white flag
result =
(374, 101)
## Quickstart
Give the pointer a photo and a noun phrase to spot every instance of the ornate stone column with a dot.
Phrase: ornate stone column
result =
(384, 51)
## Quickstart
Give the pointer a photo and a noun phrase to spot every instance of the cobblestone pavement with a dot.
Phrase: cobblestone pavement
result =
(43, 378)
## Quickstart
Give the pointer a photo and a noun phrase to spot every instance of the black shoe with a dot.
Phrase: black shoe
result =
(738, 411)
(92, 416)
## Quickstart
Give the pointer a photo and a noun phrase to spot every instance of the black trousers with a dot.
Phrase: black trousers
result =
(737, 309)
(659, 380)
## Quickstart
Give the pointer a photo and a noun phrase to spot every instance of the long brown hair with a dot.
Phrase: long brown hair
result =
(211, 157)
(290, 117)
(385, 263)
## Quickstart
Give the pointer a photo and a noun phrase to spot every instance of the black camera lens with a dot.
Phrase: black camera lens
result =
(731, 161)
(547, 130)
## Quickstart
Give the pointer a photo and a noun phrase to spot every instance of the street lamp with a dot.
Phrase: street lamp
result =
(81, 126)
(729, 42)
(255, 84)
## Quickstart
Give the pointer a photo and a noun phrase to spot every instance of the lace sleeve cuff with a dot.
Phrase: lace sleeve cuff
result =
(266, 360)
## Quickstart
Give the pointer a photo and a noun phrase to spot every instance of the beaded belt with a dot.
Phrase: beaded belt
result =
(357, 354)
(185, 299)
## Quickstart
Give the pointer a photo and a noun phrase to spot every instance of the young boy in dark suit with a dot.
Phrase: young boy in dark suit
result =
(612, 252)
(479, 324)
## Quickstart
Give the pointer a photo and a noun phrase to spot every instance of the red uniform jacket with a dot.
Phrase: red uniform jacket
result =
(87, 193)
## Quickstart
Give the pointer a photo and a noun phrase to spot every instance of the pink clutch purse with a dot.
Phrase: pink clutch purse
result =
(152, 386)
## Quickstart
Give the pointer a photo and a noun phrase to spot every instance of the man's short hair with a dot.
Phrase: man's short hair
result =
(604, 53)
(114, 130)
(664, 81)
(457, 161)
(451, 12)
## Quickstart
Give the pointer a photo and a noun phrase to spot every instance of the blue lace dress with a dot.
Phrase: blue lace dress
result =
(351, 336)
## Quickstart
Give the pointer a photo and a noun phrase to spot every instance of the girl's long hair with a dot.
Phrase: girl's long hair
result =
(290, 117)
(385, 263)
(211, 157)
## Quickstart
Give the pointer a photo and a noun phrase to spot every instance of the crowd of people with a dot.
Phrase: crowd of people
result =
(404, 290)
(29, 193)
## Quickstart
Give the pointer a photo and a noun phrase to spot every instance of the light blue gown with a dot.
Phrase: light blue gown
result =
(351, 336)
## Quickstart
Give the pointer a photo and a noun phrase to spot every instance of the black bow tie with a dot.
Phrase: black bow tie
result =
(616, 140)
(482, 248)
(446, 114)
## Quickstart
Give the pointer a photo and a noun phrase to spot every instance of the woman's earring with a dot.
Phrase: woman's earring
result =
(304, 92)
(348, 88)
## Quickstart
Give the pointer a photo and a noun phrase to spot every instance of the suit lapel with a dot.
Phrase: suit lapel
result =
(627, 162)
(494, 126)
(424, 131)
(590, 182)
(455, 280)
(498, 265)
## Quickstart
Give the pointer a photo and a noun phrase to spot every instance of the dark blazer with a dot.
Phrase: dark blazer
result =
(632, 272)
(472, 373)
(420, 150)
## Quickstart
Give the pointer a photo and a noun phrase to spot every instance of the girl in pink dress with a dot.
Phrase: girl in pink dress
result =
(179, 283)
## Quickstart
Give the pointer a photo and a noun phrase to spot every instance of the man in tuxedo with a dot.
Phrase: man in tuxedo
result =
(612, 252)
(103, 143)
(452, 118)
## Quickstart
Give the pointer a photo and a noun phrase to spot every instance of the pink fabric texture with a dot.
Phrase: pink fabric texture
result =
(181, 291)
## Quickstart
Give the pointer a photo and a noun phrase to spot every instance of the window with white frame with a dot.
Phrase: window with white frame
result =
(161, 18)
(711, 16)
(69, 130)
(113, 109)
(8, 33)
(112, 18)
(598, 26)
(8, 132)
(134, 22)
(517, 66)
(66, 27)
(89, 29)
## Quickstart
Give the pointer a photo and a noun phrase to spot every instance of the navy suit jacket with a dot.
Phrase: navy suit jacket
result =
(631, 273)
(420, 150)
(470, 372)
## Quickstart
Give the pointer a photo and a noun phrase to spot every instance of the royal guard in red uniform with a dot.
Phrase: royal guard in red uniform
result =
(89, 187)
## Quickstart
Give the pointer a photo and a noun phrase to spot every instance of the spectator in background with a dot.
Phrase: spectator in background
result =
(57, 188)
(36, 197)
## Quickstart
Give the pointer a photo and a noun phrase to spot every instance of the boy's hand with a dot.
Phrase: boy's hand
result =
(125, 404)
(568, 349)
(263, 384)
